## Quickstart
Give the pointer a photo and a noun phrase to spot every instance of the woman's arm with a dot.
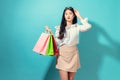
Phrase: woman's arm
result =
(78, 15)
(85, 25)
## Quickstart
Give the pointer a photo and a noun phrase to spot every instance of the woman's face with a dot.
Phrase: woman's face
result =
(69, 15)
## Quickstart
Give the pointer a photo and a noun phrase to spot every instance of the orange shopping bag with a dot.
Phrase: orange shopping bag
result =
(42, 44)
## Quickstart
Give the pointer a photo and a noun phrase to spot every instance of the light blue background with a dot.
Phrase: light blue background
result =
(22, 22)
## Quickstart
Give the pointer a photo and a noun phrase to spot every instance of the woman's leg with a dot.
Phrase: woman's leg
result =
(71, 75)
(63, 75)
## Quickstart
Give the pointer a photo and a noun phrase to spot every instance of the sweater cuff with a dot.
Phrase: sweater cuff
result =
(85, 20)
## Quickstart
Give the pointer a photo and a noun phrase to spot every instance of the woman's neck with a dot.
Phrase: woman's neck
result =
(69, 23)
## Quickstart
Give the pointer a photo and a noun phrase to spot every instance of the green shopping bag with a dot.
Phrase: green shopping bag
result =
(50, 48)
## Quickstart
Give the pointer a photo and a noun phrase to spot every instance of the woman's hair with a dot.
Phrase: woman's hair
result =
(63, 22)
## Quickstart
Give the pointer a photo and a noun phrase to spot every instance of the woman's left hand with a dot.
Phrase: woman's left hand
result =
(77, 13)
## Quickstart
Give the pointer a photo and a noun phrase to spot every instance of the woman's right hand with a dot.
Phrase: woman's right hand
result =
(48, 29)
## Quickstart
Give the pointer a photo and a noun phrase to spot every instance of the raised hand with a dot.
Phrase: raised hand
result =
(78, 14)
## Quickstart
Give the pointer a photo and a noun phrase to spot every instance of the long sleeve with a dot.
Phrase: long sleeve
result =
(71, 36)
(85, 25)
(64, 40)
(58, 41)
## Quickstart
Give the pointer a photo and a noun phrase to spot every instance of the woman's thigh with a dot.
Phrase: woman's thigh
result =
(63, 75)
(71, 75)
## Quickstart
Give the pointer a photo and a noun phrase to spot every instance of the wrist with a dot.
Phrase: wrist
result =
(80, 17)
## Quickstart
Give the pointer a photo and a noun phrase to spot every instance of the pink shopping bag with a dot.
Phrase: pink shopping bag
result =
(42, 44)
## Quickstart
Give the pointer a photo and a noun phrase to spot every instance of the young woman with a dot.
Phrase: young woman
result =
(67, 37)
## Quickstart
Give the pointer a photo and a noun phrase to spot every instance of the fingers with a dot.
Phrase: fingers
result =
(48, 29)
(75, 10)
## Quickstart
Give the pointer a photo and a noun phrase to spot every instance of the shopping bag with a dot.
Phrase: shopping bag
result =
(56, 51)
(42, 44)
(50, 48)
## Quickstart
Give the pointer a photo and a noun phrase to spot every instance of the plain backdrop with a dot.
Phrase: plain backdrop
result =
(22, 22)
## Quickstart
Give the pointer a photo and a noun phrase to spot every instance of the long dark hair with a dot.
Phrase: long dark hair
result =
(63, 22)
